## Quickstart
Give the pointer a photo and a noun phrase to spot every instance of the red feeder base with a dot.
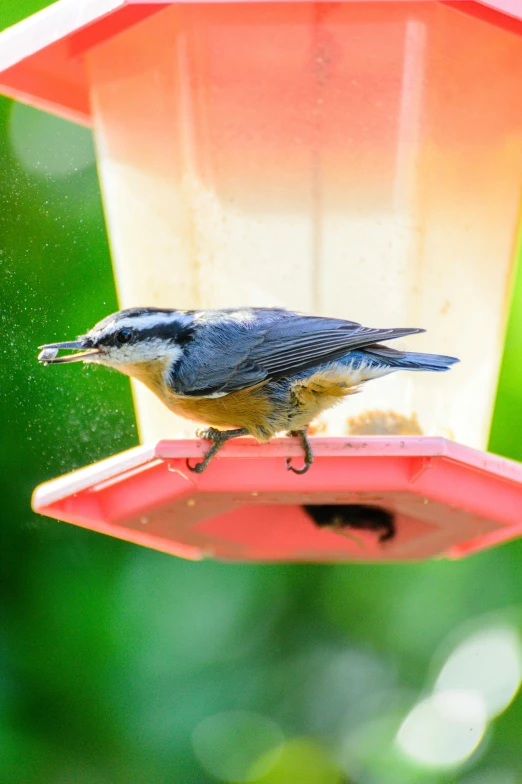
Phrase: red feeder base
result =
(445, 499)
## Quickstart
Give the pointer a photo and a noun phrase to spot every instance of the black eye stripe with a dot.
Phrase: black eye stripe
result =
(178, 334)
(175, 332)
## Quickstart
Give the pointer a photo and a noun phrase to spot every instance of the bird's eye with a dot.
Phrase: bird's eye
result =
(123, 336)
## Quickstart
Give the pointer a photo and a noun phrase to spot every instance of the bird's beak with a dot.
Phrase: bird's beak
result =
(48, 354)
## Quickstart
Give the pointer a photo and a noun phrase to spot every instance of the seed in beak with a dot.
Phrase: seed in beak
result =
(47, 355)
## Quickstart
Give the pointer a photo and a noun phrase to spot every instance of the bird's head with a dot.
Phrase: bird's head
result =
(136, 341)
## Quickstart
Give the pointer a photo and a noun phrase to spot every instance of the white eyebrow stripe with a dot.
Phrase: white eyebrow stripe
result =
(144, 322)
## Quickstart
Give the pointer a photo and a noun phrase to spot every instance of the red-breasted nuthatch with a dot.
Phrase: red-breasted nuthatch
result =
(258, 371)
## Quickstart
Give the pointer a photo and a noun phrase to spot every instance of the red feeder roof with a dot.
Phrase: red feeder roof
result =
(446, 499)
(41, 63)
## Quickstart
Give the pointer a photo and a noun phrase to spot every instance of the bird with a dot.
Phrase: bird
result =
(246, 370)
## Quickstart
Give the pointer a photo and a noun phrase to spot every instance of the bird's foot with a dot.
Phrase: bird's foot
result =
(308, 454)
(218, 438)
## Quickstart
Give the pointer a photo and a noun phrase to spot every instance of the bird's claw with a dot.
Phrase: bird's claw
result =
(290, 467)
(198, 468)
(218, 438)
(308, 454)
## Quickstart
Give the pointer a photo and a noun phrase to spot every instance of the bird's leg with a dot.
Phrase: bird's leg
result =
(308, 454)
(218, 438)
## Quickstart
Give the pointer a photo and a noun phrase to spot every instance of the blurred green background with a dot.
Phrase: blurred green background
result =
(120, 664)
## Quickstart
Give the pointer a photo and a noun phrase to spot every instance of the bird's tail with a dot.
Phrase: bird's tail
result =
(410, 360)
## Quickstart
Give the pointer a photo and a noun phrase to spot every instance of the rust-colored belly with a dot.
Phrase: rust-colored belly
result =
(262, 414)
(248, 408)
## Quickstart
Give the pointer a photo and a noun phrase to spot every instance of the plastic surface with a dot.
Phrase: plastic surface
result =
(357, 160)
(40, 58)
(447, 500)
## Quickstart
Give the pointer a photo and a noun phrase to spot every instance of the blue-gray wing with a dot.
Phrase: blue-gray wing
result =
(227, 355)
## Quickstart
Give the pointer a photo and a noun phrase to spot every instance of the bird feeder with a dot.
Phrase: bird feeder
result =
(361, 160)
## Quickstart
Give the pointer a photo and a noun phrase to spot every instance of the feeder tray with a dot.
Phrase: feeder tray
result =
(444, 499)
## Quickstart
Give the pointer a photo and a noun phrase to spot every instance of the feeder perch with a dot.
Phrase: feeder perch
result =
(355, 159)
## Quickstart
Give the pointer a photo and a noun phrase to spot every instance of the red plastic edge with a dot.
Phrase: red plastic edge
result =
(475, 498)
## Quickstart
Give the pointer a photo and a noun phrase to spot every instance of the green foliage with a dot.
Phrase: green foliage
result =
(505, 438)
(13, 11)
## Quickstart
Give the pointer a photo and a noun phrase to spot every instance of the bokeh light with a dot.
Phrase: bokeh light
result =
(489, 663)
(444, 729)
(46, 145)
(476, 682)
